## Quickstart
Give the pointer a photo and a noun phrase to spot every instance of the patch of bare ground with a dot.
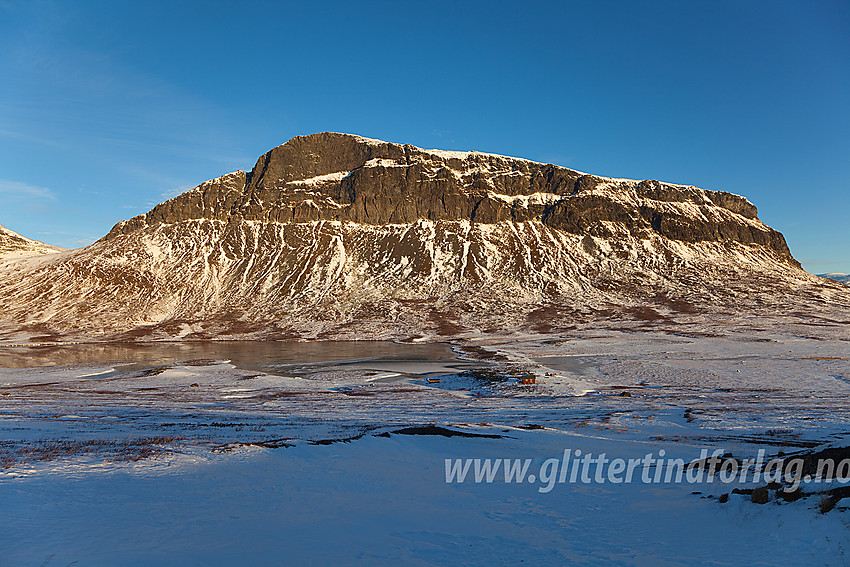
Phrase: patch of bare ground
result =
(481, 353)
(445, 324)
(140, 333)
(41, 333)
(675, 304)
(698, 334)
(644, 313)
(827, 320)
(265, 396)
(267, 444)
(17, 453)
(553, 318)
(199, 362)
(153, 371)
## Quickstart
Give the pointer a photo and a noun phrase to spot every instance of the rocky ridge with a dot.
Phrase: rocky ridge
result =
(339, 177)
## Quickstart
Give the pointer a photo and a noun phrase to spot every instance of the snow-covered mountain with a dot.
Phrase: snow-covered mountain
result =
(339, 236)
(839, 277)
(13, 244)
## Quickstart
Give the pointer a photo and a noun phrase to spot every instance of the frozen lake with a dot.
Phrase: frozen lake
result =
(253, 355)
(223, 452)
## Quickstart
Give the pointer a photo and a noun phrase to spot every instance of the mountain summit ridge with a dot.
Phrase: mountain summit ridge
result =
(344, 177)
(335, 236)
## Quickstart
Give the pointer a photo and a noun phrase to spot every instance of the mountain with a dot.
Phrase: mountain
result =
(843, 278)
(338, 236)
(13, 244)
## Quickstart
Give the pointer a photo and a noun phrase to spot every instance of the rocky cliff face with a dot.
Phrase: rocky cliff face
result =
(339, 177)
(338, 236)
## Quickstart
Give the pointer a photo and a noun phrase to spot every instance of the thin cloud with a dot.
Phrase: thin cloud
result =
(171, 193)
(29, 137)
(20, 189)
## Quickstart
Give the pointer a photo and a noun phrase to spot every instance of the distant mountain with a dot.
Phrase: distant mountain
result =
(843, 278)
(339, 236)
(13, 244)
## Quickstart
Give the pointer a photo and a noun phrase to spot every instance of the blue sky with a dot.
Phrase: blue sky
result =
(107, 108)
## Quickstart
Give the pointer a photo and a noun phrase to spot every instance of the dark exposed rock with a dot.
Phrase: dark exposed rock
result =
(341, 177)
(443, 432)
(760, 495)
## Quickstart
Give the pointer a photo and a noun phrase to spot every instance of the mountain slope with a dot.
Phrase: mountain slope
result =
(13, 244)
(338, 236)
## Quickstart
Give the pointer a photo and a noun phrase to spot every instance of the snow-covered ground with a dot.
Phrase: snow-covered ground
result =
(309, 453)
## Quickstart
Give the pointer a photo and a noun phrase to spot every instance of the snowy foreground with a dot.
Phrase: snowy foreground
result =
(262, 454)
